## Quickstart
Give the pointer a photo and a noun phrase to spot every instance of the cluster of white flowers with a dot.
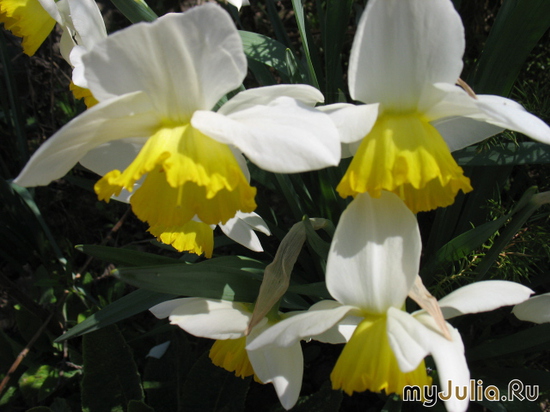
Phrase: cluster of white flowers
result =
(158, 143)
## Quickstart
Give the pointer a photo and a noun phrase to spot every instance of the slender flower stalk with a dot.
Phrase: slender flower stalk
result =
(372, 267)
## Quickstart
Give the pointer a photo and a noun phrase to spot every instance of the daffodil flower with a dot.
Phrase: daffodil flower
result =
(405, 60)
(157, 84)
(226, 322)
(372, 266)
(83, 27)
(239, 3)
(32, 20)
(535, 309)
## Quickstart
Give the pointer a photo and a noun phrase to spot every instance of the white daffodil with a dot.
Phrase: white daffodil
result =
(372, 266)
(535, 309)
(226, 322)
(157, 84)
(405, 60)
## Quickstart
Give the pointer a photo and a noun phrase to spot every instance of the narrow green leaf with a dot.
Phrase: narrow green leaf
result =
(529, 340)
(518, 27)
(265, 50)
(110, 378)
(125, 257)
(135, 10)
(218, 280)
(304, 34)
(509, 154)
(130, 305)
(139, 406)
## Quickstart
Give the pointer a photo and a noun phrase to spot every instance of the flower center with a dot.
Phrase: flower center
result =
(187, 174)
(406, 155)
(367, 362)
(195, 237)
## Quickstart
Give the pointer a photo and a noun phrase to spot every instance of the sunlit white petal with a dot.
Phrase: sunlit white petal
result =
(353, 122)
(206, 318)
(391, 63)
(375, 254)
(130, 115)
(483, 296)
(306, 140)
(184, 74)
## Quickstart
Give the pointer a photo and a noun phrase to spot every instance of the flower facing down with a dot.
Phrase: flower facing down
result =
(404, 63)
(226, 322)
(154, 129)
(372, 265)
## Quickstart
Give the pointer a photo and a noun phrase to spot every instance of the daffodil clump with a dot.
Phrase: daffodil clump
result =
(171, 130)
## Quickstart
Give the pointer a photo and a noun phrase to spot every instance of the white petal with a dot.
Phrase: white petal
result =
(353, 122)
(450, 361)
(400, 47)
(158, 351)
(51, 8)
(265, 95)
(284, 136)
(242, 232)
(461, 132)
(284, 367)
(407, 338)
(482, 297)
(375, 254)
(535, 309)
(117, 154)
(304, 325)
(341, 332)
(206, 318)
(130, 115)
(87, 21)
(185, 62)
(508, 114)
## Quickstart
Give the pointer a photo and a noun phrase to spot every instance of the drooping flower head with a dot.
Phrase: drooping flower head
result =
(372, 266)
(154, 129)
(227, 322)
(404, 63)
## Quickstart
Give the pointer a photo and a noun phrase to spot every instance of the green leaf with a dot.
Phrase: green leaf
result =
(135, 10)
(265, 50)
(230, 278)
(529, 340)
(131, 304)
(125, 257)
(110, 378)
(305, 36)
(38, 382)
(518, 27)
(209, 388)
(510, 154)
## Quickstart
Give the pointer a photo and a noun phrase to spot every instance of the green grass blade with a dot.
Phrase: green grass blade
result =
(135, 10)
(518, 27)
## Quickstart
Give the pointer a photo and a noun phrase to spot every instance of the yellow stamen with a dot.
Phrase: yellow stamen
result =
(406, 155)
(195, 237)
(82, 93)
(367, 362)
(187, 174)
(231, 355)
(27, 19)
